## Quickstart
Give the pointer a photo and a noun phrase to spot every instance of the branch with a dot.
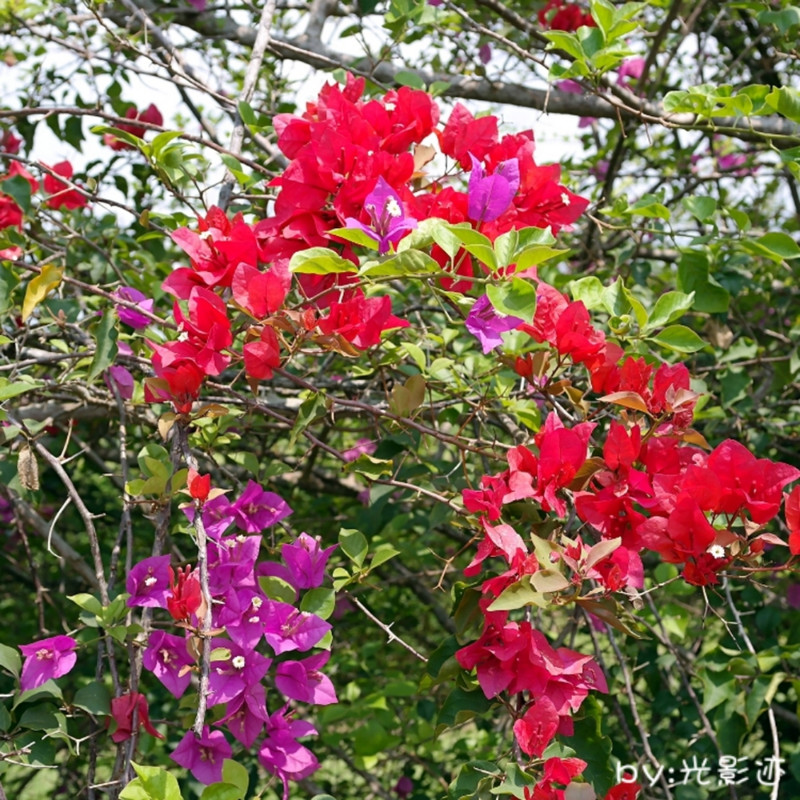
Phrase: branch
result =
(781, 132)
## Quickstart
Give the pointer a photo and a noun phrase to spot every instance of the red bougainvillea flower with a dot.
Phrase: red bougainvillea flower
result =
(361, 320)
(792, 510)
(559, 15)
(122, 709)
(61, 195)
(46, 659)
(10, 143)
(186, 595)
(151, 115)
(199, 485)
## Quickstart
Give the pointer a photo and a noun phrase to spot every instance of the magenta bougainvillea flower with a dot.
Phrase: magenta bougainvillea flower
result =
(46, 659)
(167, 658)
(119, 378)
(387, 218)
(302, 680)
(148, 583)
(128, 315)
(486, 324)
(233, 670)
(257, 509)
(290, 629)
(247, 714)
(491, 195)
(306, 561)
(203, 756)
(281, 753)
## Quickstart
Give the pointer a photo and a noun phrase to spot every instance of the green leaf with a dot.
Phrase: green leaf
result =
(404, 264)
(382, 554)
(693, 278)
(668, 308)
(781, 244)
(649, 206)
(10, 659)
(222, 791)
(235, 773)
(519, 595)
(407, 78)
(354, 545)
(8, 390)
(703, 208)
(313, 406)
(516, 298)
(593, 746)
(320, 261)
(19, 190)
(549, 580)
(356, 236)
(679, 338)
(370, 467)
(784, 20)
(319, 601)
(589, 291)
(277, 589)
(105, 336)
(94, 698)
(462, 705)
(786, 101)
(152, 783)
(87, 602)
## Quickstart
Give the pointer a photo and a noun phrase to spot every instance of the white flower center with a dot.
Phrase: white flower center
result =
(150, 580)
(392, 208)
(238, 662)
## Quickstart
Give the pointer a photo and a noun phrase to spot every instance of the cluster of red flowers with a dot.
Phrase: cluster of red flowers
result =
(560, 15)
(150, 115)
(59, 193)
(649, 484)
(342, 150)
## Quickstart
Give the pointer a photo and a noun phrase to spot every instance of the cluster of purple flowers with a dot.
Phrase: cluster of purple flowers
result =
(244, 619)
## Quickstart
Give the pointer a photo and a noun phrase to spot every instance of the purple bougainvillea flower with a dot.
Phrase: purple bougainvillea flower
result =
(148, 583)
(302, 680)
(491, 195)
(247, 714)
(200, 5)
(487, 325)
(46, 659)
(128, 315)
(257, 509)
(243, 614)
(281, 753)
(360, 448)
(203, 756)
(388, 220)
(167, 658)
(485, 53)
(233, 670)
(630, 68)
(288, 628)
(231, 561)
(120, 379)
(306, 561)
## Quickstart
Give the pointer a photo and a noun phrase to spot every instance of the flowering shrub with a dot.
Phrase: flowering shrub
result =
(256, 443)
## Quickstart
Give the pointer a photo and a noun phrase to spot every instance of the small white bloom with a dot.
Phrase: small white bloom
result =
(392, 208)
(565, 198)
(150, 580)
(238, 662)
(716, 550)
